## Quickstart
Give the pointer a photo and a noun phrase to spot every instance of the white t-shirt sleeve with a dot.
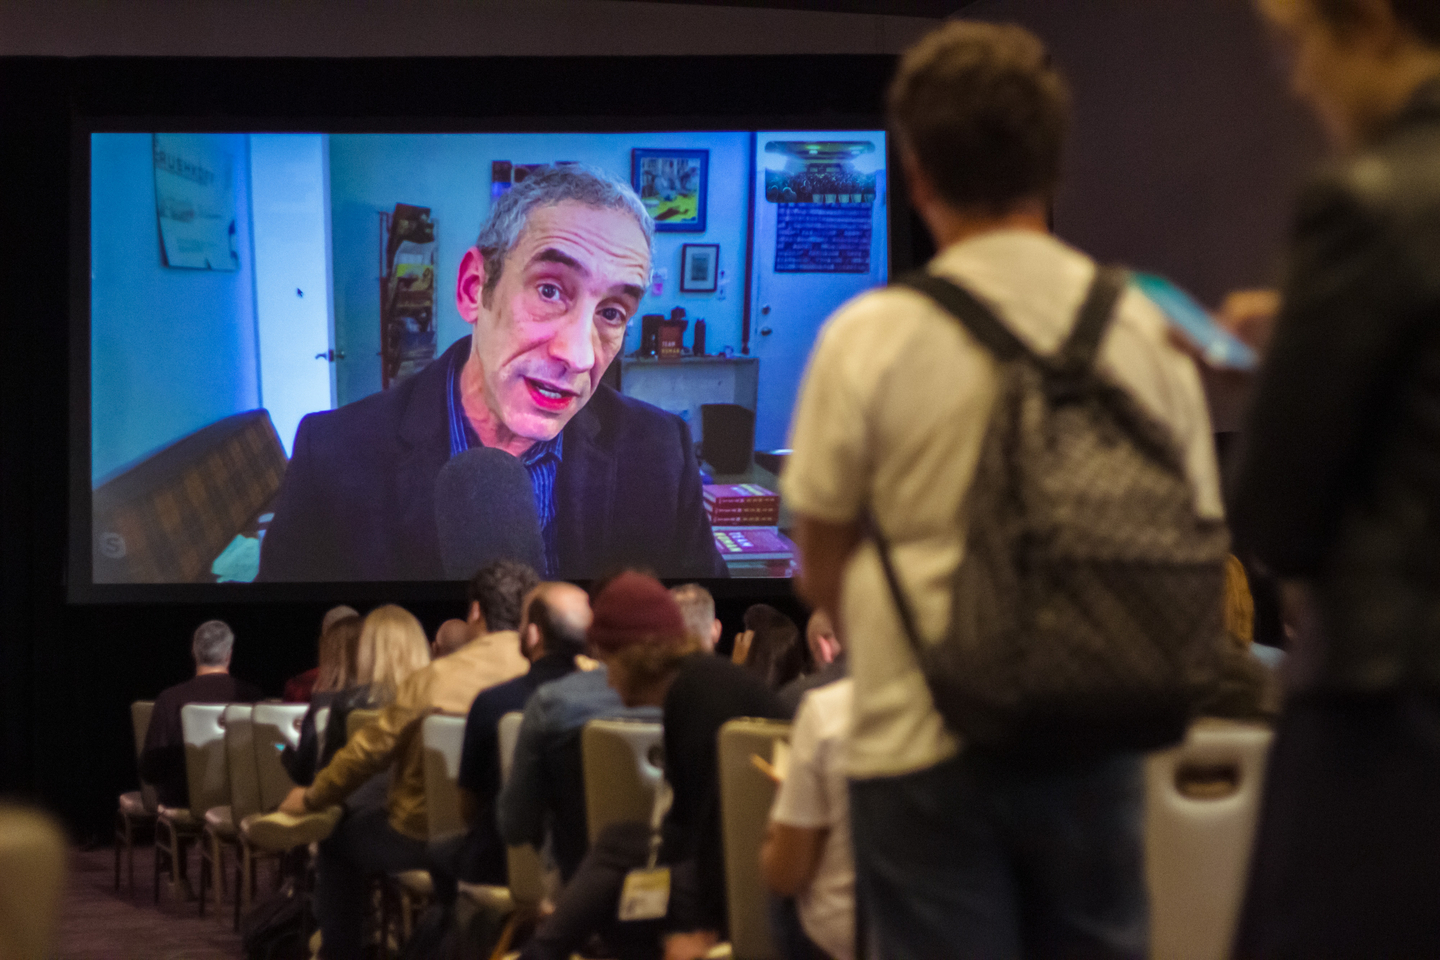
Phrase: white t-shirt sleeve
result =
(803, 799)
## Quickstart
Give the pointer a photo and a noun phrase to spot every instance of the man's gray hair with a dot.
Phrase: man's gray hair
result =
(546, 187)
(212, 644)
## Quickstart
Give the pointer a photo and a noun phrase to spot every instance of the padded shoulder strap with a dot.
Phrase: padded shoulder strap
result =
(1093, 320)
(979, 319)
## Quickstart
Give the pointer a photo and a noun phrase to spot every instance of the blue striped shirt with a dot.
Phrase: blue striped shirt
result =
(541, 461)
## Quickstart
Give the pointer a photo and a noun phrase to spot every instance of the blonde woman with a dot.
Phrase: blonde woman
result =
(392, 646)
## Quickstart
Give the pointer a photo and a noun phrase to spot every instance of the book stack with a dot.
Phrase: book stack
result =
(741, 505)
(744, 519)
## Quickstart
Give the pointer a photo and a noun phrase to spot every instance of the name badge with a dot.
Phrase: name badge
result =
(646, 894)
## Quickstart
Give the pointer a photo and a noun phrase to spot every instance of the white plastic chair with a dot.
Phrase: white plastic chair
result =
(443, 738)
(277, 726)
(746, 796)
(207, 774)
(1202, 799)
(623, 769)
(219, 829)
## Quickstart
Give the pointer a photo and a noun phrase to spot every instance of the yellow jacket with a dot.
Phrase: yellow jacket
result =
(448, 685)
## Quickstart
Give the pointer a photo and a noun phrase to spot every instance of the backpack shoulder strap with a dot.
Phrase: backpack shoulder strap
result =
(979, 319)
(1078, 352)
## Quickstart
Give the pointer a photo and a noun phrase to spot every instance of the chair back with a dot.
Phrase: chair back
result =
(207, 769)
(357, 719)
(524, 867)
(322, 723)
(623, 765)
(277, 726)
(746, 796)
(240, 755)
(443, 737)
(32, 878)
(140, 712)
(1201, 803)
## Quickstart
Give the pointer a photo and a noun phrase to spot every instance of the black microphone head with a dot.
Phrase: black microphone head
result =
(485, 511)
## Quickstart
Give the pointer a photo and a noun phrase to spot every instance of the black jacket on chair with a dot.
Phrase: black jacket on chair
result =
(1339, 480)
(358, 500)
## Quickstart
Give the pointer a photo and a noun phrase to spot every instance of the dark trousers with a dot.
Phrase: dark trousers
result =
(1347, 855)
(590, 903)
(362, 846)
(970, 859)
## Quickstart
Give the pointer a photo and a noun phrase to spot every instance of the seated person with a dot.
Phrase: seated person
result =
(557, 272)
(162, 760)
(545, 794)
(697, 606)
(339, 649)
(552, 636)
(452, 635)
(299, 687)
(827, 657)
(770, 647)
(653, 660)
(374, 838)
(807, 854)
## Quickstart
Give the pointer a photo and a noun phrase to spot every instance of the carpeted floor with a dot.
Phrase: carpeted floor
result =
(97, 923)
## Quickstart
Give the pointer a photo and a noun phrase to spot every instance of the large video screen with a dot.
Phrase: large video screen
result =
(344, 357)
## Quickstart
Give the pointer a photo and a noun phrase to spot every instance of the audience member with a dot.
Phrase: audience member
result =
(162, 761)
(770, 647)
(298, 688)
(697, 606)
(391, 647)
(957, 856)
(654, 661)
(339, 650)
(545, 794)
(827, 656)
(452, 635)
(806, 855)
(373, 838)
(1337, 494)
(552, 637)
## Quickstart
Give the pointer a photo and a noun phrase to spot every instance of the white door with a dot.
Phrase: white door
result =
(810, 251)
(294, 309)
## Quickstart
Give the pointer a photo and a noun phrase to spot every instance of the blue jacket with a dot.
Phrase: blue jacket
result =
(358, 499)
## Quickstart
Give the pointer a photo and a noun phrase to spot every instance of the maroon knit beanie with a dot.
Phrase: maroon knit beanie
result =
(634, 608)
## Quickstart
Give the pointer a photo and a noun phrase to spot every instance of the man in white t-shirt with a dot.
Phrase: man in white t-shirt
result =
(957, 856)
(807, 849)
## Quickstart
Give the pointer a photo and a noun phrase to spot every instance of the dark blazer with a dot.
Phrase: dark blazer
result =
(358, 500)
(1339, 479)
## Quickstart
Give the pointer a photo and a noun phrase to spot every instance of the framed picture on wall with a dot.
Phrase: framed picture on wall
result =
(673, 185)
(699, 267)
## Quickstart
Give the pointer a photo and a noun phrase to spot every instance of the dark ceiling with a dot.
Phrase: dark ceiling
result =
(903, 8)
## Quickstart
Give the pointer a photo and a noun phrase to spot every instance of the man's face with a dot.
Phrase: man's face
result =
(1333, 68)
(557, 317)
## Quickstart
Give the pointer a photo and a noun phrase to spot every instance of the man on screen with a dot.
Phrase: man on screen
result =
(559, 269)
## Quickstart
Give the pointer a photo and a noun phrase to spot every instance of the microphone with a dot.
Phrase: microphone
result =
(485, 511)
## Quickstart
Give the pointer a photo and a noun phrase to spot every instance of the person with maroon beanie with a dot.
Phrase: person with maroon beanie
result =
(651, 660)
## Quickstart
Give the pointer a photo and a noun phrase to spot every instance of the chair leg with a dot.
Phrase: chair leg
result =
(204, 873)
(121, 828)
(155, 893)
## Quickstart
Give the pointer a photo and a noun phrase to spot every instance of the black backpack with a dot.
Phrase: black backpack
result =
(1086, 613)
(278, 927)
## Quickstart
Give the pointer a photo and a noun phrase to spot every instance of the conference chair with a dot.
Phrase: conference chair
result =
(1201, 803)
(322, 723)
(207, 774)
(442, 738)
(623, 765)
(220, 830)
(32, 878)
(746, 795)
(274, 726)
(137, 808)
(357, 719)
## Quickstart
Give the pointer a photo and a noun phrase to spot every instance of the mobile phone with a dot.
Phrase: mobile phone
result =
(1218, 346)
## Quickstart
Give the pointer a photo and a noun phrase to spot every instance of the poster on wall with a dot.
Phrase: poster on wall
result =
(673, 185)
(195, 201)
(824, 192)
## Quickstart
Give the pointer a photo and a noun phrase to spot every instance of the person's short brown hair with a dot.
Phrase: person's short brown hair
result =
(983, 113)
(1421, 16)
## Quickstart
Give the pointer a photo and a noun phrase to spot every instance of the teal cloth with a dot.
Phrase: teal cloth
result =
(239, 562)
